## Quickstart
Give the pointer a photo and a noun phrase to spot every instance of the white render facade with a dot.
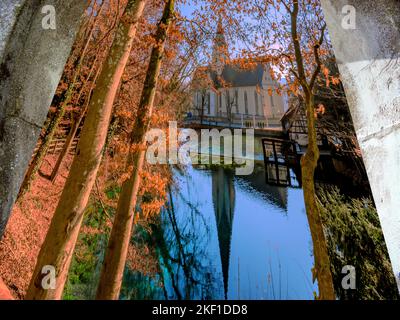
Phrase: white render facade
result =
(226, 93)
(244, 102)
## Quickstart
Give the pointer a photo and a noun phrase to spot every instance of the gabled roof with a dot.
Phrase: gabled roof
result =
(290, 116)
(233, 75)
(236, 76)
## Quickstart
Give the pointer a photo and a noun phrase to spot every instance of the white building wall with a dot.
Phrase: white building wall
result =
(212, 102)
(274, 105)
(271, 108)
(251, 102)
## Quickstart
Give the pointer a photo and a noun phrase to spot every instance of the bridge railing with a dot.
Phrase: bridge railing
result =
(236, 121)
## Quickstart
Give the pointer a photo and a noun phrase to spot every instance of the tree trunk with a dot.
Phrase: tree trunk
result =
(114, 262)
(71, 135)
(309, 162)
(61, 238)
(55, 121)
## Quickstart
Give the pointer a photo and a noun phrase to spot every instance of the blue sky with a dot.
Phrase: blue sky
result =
(186, 9)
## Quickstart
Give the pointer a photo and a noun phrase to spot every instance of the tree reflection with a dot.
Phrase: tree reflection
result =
(182, 253)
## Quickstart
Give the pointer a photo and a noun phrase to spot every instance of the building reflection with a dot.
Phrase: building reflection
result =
(223, 196)
(256, 185)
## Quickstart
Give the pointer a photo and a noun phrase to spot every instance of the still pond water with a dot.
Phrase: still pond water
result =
(232, 237)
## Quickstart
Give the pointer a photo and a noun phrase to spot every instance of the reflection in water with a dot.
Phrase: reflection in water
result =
(231, 237)
(223, 236)
(256, 183)
(181, 239)
(223, 195)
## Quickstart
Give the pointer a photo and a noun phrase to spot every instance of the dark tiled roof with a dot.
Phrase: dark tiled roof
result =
(233, 75)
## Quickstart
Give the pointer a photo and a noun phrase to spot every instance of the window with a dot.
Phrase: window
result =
(198, 102)
(272, 103)
(228, 102)
(256, 100)
(237, 101)
(208, 103)
(216, 103)
(246, 106)
(220, 103)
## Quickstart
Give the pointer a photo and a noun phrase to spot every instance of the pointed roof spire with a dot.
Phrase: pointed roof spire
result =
(220, 27)
(220, 50)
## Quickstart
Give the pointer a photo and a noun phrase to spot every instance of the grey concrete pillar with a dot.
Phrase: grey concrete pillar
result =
(31, 64)
(369, 62)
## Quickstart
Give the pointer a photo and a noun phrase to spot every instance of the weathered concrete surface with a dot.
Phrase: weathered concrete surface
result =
(369, 63)
(8, 13)
(31, 63)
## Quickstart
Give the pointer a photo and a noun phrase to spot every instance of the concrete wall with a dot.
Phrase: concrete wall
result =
(8, 14)
(31, 63)
(369, 63)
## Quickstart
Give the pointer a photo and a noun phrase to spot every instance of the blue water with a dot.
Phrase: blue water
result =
(236, 238)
